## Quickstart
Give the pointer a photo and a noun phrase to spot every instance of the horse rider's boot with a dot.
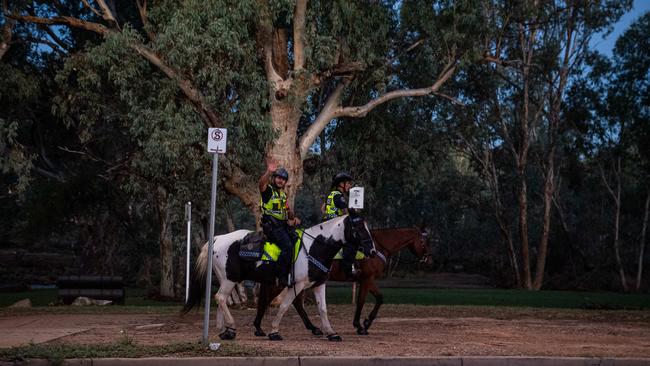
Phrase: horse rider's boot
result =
(283, 272)
(350, 273)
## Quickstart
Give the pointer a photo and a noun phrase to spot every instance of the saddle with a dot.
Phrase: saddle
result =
(255, 246)
(251, 246)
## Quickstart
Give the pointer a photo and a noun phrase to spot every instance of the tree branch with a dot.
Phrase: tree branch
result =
(87, 5)
(142, 9)
(362, 111)
(450, 98)
(324, 117)
(107, 14)
(62, 20)
(56, 38)
(298, 35)
(192, 93)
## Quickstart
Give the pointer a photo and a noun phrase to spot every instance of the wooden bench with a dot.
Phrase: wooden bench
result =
(94, 287)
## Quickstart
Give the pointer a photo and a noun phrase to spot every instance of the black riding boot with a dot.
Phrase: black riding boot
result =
(346, 263)
(284, 267)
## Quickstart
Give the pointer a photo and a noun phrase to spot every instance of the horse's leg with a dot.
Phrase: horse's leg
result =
(361, 301)
(289, 295)
(225, 289)
(379, 299)
(219, 315)
(319, 294)
(299, 305)
(266, 294)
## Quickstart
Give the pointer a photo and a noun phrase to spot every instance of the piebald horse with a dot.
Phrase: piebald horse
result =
(320, 244)
(389, 242)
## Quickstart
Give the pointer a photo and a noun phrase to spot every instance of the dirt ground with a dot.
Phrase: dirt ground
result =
(400, 330)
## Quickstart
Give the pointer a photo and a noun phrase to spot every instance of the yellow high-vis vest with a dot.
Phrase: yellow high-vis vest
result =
(276, 206)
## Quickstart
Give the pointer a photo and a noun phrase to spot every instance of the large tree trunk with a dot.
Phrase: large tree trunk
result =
(165, 244)
(639, 272)
(285, 116)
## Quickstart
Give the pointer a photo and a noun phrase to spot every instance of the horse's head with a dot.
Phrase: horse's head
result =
(420, 247)
(358, 235)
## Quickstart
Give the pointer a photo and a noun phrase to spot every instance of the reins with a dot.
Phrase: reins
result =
(400, 246)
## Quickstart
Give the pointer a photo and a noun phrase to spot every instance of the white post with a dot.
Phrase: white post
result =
(217, 138)
(188, 218)
(208, 280)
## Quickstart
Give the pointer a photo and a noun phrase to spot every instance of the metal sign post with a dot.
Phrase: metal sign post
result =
(217, 138)
(188, 218)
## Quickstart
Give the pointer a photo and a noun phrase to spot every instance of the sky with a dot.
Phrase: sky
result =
(606, 46)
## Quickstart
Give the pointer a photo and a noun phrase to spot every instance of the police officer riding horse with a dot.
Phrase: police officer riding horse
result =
(277, 217)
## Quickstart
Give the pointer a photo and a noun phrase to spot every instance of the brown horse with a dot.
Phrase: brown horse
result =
(388, 242)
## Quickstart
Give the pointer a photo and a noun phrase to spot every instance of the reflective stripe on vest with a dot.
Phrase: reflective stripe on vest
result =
(276, 206)
(331, 211)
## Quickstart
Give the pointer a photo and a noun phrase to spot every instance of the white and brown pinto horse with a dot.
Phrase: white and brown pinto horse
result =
(320, 244)
(389, 242)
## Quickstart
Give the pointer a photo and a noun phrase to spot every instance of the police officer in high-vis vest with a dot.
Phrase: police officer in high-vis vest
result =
(277, 216)
(337, 205)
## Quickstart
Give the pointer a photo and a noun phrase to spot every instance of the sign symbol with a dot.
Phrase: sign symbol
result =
(217, 135)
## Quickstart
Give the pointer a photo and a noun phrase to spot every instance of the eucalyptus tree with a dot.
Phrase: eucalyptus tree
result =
(156, 74)
(618, 136)
(252, 66)
(533, 51)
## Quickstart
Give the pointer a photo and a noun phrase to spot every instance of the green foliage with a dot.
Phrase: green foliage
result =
(17, 89)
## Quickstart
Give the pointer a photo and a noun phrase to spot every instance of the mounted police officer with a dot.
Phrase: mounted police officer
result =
(337, 205)
(277, 216)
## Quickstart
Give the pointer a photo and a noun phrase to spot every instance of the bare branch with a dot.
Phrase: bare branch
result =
(452, 99)
(142, 9)
(605, 182)
(362, 111)
(324, 117)
(298, 35)
(107, 14)
(62, 20)
(56, 38)
(87, 5)
(31, 40)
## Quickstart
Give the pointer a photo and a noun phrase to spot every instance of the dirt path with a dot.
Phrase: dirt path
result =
(401, 330)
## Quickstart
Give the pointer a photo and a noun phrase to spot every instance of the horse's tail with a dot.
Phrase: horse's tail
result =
(197, 281)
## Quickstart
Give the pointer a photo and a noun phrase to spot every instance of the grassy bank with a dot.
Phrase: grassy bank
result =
(416, 296)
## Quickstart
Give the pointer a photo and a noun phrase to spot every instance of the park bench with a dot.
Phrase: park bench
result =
(94, 287)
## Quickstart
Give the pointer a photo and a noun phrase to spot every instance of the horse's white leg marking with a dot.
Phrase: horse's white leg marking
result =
(220, 327)
(225, 289)
(319, 294)
(289, 295)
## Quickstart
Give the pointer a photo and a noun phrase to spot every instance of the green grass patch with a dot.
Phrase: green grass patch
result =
(125, 348)
(501, 297)
(137, 301)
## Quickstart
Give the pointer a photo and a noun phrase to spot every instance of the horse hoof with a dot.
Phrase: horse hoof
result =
(228, 334)
(362, 331)
(366, 324)
(260, 333)
(334, 338)
(275, 336)
(317, 332)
